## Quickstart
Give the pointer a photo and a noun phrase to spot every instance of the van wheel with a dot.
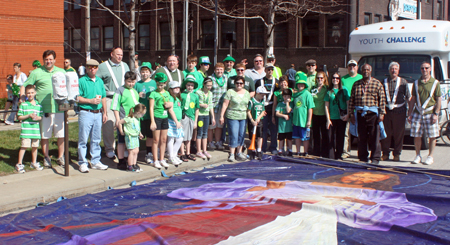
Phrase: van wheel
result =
(425, 144)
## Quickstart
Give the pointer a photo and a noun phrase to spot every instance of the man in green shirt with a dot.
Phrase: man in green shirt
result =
(229, 64)
(276, 70)
(68, 67)
(92, 103)
(53, 120)
(171, 70)
(192, 70)
(112, 73)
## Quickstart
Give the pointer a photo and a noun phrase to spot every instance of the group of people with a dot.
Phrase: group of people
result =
(179, 112)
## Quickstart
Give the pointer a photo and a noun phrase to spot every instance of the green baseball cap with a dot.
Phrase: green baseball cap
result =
(204, 60)
(229, 58)
(147, 65)
(160, 77)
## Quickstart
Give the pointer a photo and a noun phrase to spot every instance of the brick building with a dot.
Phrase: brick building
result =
(28, 28)
(321, 37)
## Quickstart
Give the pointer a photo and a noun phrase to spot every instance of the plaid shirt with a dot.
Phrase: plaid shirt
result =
(218, 92)
(368, 94)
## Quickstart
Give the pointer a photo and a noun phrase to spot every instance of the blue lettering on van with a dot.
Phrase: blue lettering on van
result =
(370, 41)
(409, 8)
(406, 40)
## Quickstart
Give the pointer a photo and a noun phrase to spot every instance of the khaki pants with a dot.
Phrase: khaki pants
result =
(347, 140)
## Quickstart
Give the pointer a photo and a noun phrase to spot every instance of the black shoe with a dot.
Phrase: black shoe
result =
(259, 155)
(122, 165)
(130, 168)
(289, 154)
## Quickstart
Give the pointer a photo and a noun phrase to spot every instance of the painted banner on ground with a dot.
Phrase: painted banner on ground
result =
(275, 201)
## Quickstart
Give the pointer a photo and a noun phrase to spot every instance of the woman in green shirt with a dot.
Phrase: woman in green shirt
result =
(235, 105)
(319, 120)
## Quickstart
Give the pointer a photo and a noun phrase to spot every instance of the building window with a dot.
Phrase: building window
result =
(335, 31)
(66, 41)
(179, 35)
(439, 10)
(108, 37)
(207, 34)
(76, 39)
(164, 32)
(66, 6)
(377, 18)
(76, 4)
(280, 35)
(109, 2)
(387, 18)
(255, 33)
(227, 27)
(367, 18)
(144, 37)
(94, 4)
(310, 32)
(126, 39)
(95, 38)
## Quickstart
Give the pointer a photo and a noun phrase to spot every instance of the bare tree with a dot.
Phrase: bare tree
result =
(272, 12)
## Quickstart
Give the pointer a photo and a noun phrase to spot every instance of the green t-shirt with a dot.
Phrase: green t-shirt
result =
(189, 104)
(256, 108)
(303, 101)
(30, 128)
(124, 99)
(231, 73)
(318, 97)
(337, 99)
(278, 94)
(70, 69)
(158, 109)
(249, 84)
(311, 80)
(176, 108)
(89, 90)
(284, 126)
(348, 81)
(42, 79)
(204, 99)
(198, 78)
(237, 108)
(132, 126)
(424, 93)
(149, 86)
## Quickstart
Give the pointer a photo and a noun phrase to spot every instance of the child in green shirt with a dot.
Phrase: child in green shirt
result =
(205, 114)
(175, 133)
(255, 113)
(303, 109)
(132, 133)
(190, 106)
(284, 114)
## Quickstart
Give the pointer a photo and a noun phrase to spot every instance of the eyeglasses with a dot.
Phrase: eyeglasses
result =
(258, 61)
(320, 78)
(310, 65)
(92, 67)
(239, 83)
(240, 69)
(336, 78)
(425, 68)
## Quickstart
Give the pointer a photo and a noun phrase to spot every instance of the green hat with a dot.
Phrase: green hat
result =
(301, 77)
(229, 58)
(191, 79)
(204, 60)
(147, 64)
(36, 63)
(160, 77)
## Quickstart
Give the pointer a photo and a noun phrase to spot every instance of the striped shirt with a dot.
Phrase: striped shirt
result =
(30, 128)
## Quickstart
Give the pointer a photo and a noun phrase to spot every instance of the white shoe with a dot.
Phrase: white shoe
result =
(173, 161)
(418, 159)
(429, 160)
(149, 158)
(20, 168)
(219, 146)
(36, 165)
(110, 154)
(8, 122)
(164, 164)
(157, 165)
(99, 166)
(178, 160)
(84, 168)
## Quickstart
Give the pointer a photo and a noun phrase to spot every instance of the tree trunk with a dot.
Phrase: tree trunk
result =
(269, 30)
(172, 28)
(132, 29)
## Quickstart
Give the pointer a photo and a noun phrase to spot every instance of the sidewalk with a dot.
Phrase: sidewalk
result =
(20, 191)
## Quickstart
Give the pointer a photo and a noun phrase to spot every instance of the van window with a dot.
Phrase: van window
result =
(409, 65)
(438, 69)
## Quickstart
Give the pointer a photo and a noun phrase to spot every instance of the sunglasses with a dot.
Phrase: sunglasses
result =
(240, 70)
(239, 83)
(205, 64)
(336, 77)
(258, 61)
(90, 67)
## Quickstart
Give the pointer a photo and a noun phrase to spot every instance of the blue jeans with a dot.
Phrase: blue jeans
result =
(224, 130)
(236, 129)
(202, 132)
(12, 115)
(269, 125)
(90, 126)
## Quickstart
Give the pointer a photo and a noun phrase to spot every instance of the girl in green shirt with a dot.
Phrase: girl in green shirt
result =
(175, 134)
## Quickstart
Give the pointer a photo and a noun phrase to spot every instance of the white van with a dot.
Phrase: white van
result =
(408, 42)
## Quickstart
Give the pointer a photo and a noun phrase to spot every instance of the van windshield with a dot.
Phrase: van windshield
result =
(409, 65)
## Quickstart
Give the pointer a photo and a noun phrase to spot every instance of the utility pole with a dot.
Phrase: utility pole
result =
(185, 34)
(419, 11)
(216, 33)
(87, 30)
(172, 28)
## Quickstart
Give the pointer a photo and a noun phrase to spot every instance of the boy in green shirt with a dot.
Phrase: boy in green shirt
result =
(190, 105)
(30, 113)
(125, 99)
(255, 113)
(284, 114)
(144, 88)
(192, 70)
(303, 108)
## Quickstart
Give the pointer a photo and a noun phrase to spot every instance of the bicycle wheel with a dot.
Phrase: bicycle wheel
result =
(445, 132)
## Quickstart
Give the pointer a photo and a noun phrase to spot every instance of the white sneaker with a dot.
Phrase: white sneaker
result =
(110, 154)
(417, 160)
(173, 161)
(84, 168)
(149, 158)
(219, 146)
(157, 165)
(36, 165)
(47, 162)
(20, 168)
(179, 161)
(99, 166)
(429, 160)
(164, 164)
(8, 122)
